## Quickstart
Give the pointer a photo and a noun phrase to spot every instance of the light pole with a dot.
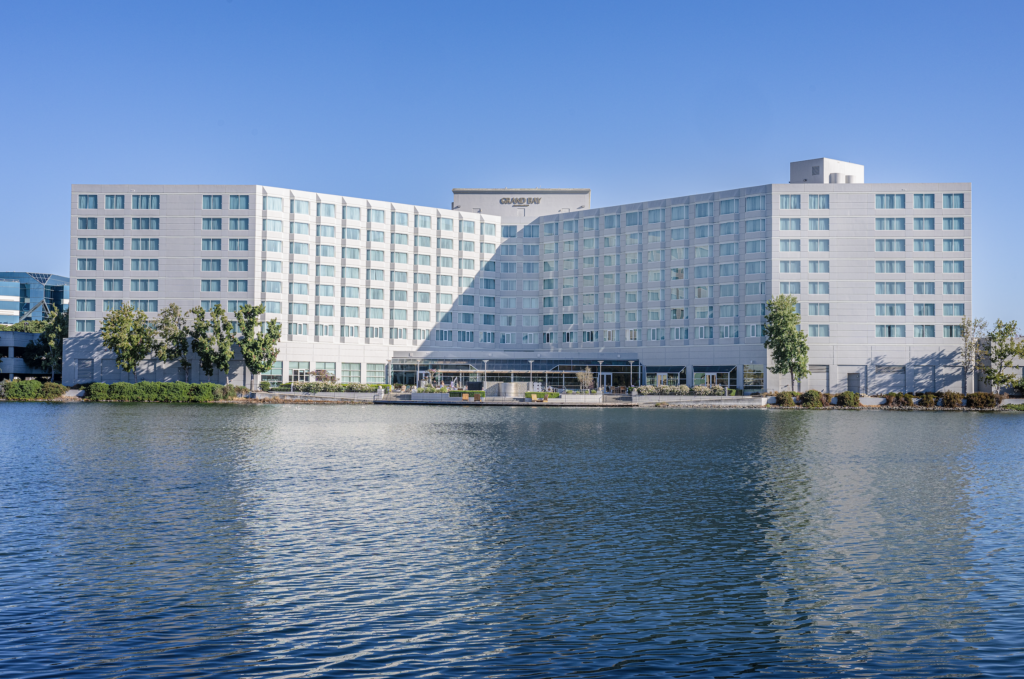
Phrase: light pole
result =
(600, 374)
(530, 385)
(485, 374)
(631, 375)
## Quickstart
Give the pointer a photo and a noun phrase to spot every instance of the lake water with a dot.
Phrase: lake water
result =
(298, 540)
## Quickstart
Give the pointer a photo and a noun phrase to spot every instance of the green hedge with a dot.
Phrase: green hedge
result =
(1015, 406)
(542, 394)
(161, 392)
(31, 390)
(848, 399)
(458, 394)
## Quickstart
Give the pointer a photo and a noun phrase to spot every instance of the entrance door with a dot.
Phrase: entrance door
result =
(711, 379)
(605, 382)
(853, 382)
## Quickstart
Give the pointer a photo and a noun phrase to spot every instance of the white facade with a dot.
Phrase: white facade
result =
(677, 286)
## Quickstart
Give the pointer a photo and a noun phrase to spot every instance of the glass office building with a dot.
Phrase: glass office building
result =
(37, 293)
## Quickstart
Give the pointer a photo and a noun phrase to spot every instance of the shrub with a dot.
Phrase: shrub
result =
(646, 390)
(983, 400)
(23, 390)
(701, 390)
(542, 394)
(813, 399)
(950, 399)
(785, 398)
(53, 390)
(97, 391)
(264, 386)
(1015, 406)
(928, 400)
(848, 399)
(717, 390)
(897, 399)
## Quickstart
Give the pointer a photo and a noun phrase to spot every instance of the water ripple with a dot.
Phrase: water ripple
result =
(383, 541)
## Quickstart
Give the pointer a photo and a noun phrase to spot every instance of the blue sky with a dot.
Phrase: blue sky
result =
(404, 101)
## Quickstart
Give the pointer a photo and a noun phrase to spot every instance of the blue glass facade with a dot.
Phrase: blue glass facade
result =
(36, 293)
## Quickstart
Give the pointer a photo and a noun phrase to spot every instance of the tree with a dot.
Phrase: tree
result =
(259, 349)
(172, 337)
(972, 351)
(52, 342)
(785, 340)
(127, 334)
(586, 379)
(211, 340)
(1003, 348)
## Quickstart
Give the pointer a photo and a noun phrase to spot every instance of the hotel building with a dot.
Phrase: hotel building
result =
(535, 283)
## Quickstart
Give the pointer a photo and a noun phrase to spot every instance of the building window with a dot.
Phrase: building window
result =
(817, 330)
(952, 200)
(891, 288)
(924, 288)
(145, 223)
(87, 202)
(789, 224)
(924, 223)
(789, 202)
(924, 200)
(299, 207)
(789, 245)
(212, 202)
(890, 245)
(890, 331)
(85, 326)
(144, 202)
(953, 245)
(924, 331)
(890, 201)
(818, 201)
(114, 202)
(890, 224)
(953, 224)
(952, 331)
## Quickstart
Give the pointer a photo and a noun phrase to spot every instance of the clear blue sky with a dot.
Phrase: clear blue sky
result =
(404, 101)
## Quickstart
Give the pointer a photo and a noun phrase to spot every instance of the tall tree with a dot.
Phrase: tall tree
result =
(126, 332)
(172, 337)
(972, 351)
(212, 339)
(787, 343)
(1003, 348)
(259, 348)
(52, 341)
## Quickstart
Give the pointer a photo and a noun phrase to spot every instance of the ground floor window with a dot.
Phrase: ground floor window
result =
(275, 374)
(375, 373)
(753, 377)
(299, 371)
(350, 373)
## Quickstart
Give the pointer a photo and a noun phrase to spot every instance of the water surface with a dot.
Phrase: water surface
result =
(298, 540)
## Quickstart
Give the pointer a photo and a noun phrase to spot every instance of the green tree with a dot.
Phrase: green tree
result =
(212, 339)
(785, 340)
(259, 349)
(1003, 348)
(972, 350)
(172, 337)
(127, 334)
(51, 341)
